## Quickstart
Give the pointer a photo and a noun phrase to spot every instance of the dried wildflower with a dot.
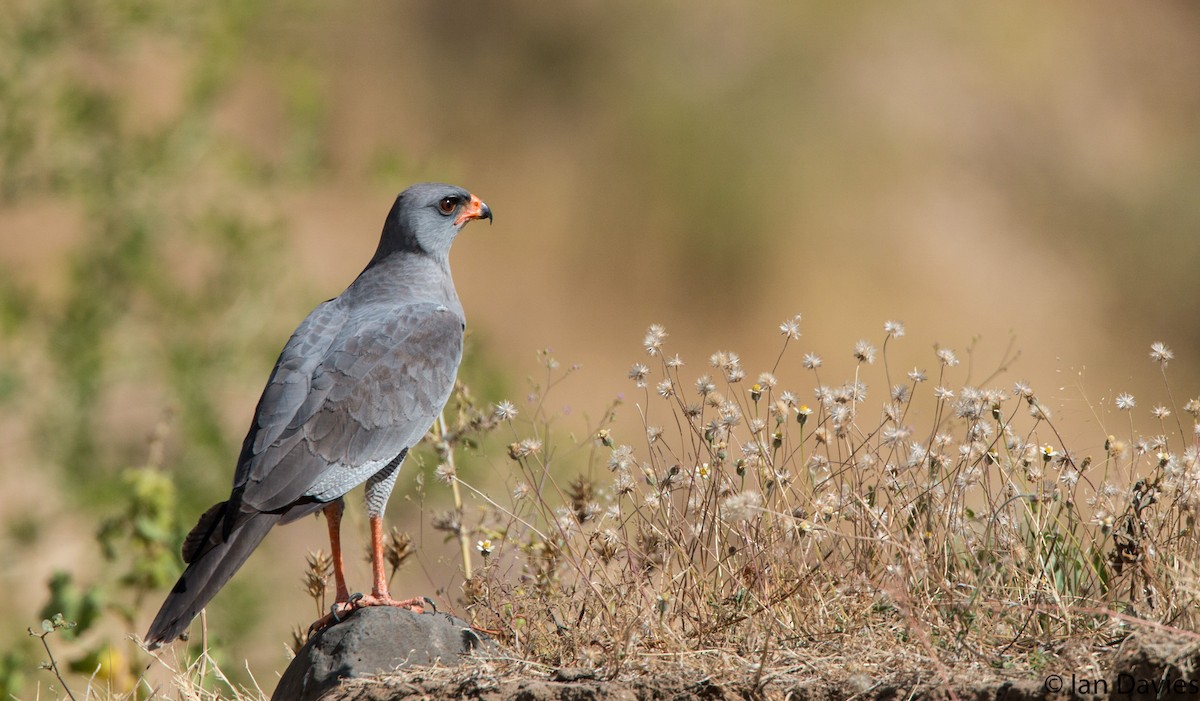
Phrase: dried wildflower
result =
(582, 492)
(521, 491)
(741, 507)
(397, 548)
(1160, 354)
(1125, 401)
(605, 544)
(968, 406)
(705, 386)
(671, 476)
(788, 398)
(731, 414)
(505, 411)
(943, 393)
(653, 434)
(779, 410)
(917, 375)
(725, 361)
(979, 431)
(524, 448)
(638, 374)
(665, 388)
(484, 547)
(895, 329)
(864, 352)
(811, 361)
(654, 339)
(621, 458)
(675, 361)
(1023, 390)
(791, 328)
(317, 574)
(1160, 412)
(444, 473)
(623, 484)
(1069, 477)
(947, 357)
(1192, 407)
(893, 435)
(566, 520)
(900, 393)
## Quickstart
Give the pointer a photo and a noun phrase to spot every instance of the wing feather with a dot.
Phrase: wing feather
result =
(347, 393)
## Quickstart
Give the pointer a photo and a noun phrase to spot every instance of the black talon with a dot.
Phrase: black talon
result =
(333, 610)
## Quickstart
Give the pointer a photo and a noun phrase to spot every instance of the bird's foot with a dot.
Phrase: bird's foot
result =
(337, 613)
(342, 609)
(417, 604)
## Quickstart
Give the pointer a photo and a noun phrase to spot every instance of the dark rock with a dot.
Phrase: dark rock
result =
(375, 640)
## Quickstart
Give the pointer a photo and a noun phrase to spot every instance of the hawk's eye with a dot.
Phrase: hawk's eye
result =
(447, 204)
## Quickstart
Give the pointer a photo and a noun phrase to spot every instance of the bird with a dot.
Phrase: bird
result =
(359, 383)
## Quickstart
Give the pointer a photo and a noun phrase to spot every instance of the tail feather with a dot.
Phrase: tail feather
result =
(213, 556)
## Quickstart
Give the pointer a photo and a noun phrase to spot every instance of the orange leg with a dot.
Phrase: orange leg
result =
(346, 604)
(333, 515)
(379, 587)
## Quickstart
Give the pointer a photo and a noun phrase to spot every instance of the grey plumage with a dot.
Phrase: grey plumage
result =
(361, 380)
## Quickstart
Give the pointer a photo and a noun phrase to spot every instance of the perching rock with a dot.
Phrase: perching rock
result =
(376, 639)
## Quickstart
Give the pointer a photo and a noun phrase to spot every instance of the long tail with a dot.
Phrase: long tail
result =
(213, 556)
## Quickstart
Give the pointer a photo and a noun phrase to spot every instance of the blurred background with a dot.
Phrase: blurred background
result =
(180, 183)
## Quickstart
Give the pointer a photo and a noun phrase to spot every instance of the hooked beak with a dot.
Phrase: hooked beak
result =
(475, 209)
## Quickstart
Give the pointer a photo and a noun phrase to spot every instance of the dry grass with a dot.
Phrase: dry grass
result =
(938, 526)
